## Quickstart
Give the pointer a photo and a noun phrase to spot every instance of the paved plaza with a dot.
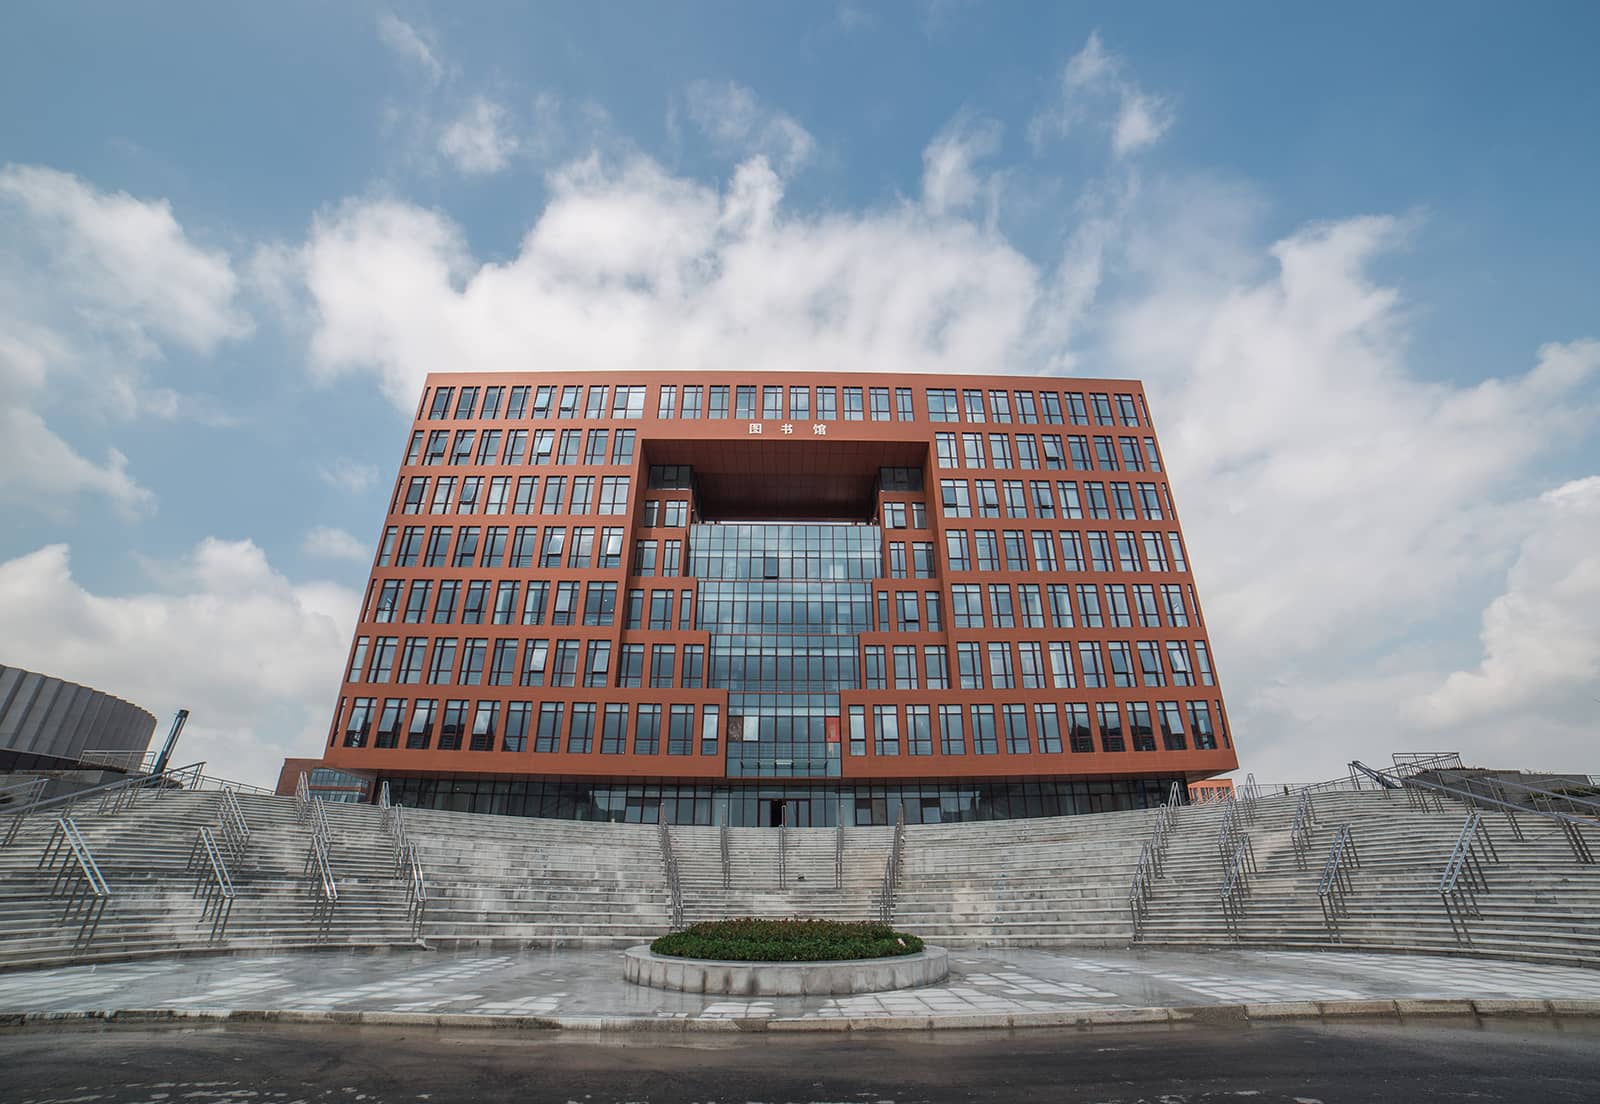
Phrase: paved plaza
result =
(586, 988)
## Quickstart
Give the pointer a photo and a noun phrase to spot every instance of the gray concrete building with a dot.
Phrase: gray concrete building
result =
(50, 724)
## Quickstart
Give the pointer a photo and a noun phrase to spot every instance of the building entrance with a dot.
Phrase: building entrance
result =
(788, 812)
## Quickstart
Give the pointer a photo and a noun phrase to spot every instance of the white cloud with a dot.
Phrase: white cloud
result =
(1541, 637)
(1339, 508)
(949, 181)
(1094, 89)
(631, 267)
(350, 476)
(736, 121)
(334, 544)
(477, 141)
(408, 43)
(253, 656)
(95, 288)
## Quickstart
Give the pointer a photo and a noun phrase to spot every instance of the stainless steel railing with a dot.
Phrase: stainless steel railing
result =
(727, 856)
(1463, 877)
(838, 856)
(783, 851)
(1305, 820)
(1571, 826)
(212, 883)
(233, 826)
(891, 869)
(25, 797)
(674, 886)
(78, 881)
(1334, 887)
(1235, 888)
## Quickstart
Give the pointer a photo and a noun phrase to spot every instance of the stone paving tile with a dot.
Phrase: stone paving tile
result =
(589, 983)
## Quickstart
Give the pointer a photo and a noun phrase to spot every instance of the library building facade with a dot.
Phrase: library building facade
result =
(753, 599)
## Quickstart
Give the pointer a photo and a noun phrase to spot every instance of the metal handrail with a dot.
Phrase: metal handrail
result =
(1463, 877)
(78, 878)
(727, 858)
(235, 827)
(783, 850)
(217, 891)
(1144, 874)
(1572, 826)
(674, 886)
(302, 797)
(838, 856)
(1305, 819)
(20, 811)
(384, 800)
(118, 795)
(1334, 887)
(417, 886)
(1177, 794)
(891, 868)
(1235, 887)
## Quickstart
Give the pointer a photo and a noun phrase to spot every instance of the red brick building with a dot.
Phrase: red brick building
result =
(747, 597)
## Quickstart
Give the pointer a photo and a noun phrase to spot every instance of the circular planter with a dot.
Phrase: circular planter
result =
(785, 979)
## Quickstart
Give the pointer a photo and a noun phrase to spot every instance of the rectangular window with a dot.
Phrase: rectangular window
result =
(710, 723)
(680, 730)
(547, 737)
(516, 730)
(1062, 676)
(485, 722)
(1090, 665)
(952, 739)
(905, 667)
(827, 404)
(543, 399)
(800, 403)
(969, 668)
(453, 725)
(772, 403)
(854, 410)
(886, 730)
(419, 734)
(614, 727)
(1139, 727)
(534, 658)
(1030, 664)
(1202, 662)
(999, 450)
(647, 730)
(966, 606)
(694, 665)
(1000, 674)
(444, 609)
(984, 741)
(858, 729)
(564, 668)
(580, 737)
(1110, 718)
(936, 666)
(919, 730)
(663, 660)
(1015, 717)
(718, 408)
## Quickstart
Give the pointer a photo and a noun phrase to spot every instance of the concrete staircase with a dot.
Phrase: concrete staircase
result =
(1061, 882)
(1540, 904)
(143, 851)
(808, 887)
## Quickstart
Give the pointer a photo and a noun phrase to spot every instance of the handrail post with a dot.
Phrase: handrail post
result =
(727, 862)
(670, 862)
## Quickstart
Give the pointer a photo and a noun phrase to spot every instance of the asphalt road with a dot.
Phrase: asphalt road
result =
(1306, 1064)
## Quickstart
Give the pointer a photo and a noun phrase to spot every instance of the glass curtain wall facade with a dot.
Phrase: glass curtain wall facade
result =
(757, 599)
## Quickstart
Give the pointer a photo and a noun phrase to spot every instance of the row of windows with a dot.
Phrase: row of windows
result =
(512, 447)
(981, 729)
(498, 495)
(1026, 451)
(625, 402)
(778, 607)
(480, 661)
(1064, 550)
(814, 806)
(616, 728)
(1038, 665)
(1031, 606)
(748, 402)
(752, 662)
(1040, 498)
(578, 728)
(501, 546)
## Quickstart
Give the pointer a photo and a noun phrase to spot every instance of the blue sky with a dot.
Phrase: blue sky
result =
(1351, 250)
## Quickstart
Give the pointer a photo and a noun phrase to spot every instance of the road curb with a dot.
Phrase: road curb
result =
(1214, 1015)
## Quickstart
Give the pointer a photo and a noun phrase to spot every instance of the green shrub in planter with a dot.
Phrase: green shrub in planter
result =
(755, 940)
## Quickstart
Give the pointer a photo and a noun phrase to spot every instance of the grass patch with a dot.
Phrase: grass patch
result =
(754, 940)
